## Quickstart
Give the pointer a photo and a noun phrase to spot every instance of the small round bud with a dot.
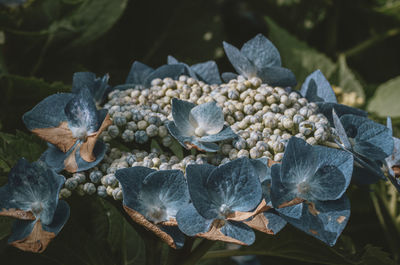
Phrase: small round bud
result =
(95, 176)
(89, 188)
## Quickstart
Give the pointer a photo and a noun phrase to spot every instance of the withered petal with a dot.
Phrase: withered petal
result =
(140, 219)
(37, 241)
(60, 136)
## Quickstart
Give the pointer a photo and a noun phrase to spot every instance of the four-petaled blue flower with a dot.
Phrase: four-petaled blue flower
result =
(308, 189)
(71, 124)
(222, 198)
(198, 126)
(316, 88)
(259, 58)
(152, 199)
(141, 75)
(31, 196)
(207, 72)
(369, 142)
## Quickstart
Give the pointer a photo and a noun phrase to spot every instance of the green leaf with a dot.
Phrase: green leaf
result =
(375, 255)
(13, 147)
(177, 149)
(20, 94)
(5, 227)
(123, 240)
(156, 145)
(303, 60)
(92, 19)
(291, 244)
(385, 100)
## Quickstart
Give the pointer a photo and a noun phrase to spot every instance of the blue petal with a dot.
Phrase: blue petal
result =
(228, 76)
(131, 180)
(207, 116)
(261, 52)
(341, 132)
(277, 76)
(235, 184)
(299, 162)
(294, 211)
(138, 73)
(33, 183)
(176, 234)
(166, 188)
(225, 134)
(197, 176)
(203, 146)
(261, 166)
(97, 86)
(180, 113)
(279, 194)
(190, 222)
(81, 112)
(207, 72)
(169, 70)
(48, 113)
(174, 131)
(327, 222)
(371, 139)
(60, 218)
(275, 222)
(315, 172)
(239, 231)
(327, 107)
(317, 89)
(239, 61)
(173, 61)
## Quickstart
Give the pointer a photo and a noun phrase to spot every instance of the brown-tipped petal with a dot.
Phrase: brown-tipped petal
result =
(70, 164)
(312, 209)
(272, 162)
(241, 216)
(396, 170)
(291, 203)
(60, 136)
(171, 222)
(215, 234)
(190, 146)
(260, 223)
(19, 214)
(87, 147)
(37, 241)
(140, 219)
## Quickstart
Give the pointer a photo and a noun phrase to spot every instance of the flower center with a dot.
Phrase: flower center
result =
(303, 187)
(199, 132)
(157, 214)
(36, 208)
(225, 210)
(80, 133)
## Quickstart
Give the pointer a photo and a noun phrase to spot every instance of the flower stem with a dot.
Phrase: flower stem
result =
(198, 252)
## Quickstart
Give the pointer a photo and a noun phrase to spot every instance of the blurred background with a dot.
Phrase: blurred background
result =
(355, 43)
